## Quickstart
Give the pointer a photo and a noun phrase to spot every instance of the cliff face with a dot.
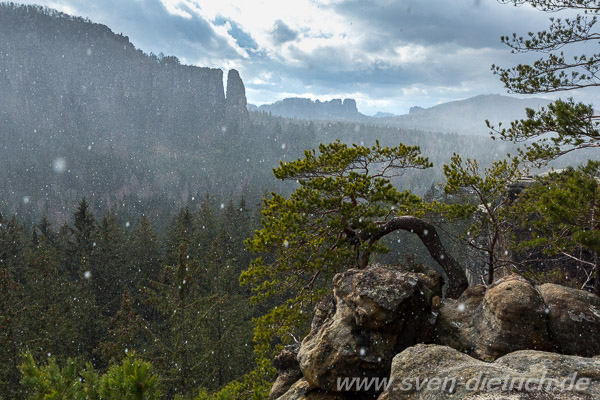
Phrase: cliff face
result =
(64, 71)
(127, 123)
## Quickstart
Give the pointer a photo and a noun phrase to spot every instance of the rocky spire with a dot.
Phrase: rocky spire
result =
(235, 102)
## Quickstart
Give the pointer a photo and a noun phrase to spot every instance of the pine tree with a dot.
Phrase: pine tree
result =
(107, 265)
(227, 328)
(177, 339)
(564, 126)
(562, 211)
(10, 338)
(13, 248)
(84, 224)
(487, 206)
(127, 333)
(54, 307)
(574, 124)
(144, 254)
(182, 229)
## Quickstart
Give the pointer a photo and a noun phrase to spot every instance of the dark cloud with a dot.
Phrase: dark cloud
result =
(152, 28)
(242, 38)
(283, 33)
(464, 22)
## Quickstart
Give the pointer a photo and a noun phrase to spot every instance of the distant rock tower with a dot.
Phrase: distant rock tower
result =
(236, 111)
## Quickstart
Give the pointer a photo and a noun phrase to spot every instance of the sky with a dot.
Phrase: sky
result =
(388, 55)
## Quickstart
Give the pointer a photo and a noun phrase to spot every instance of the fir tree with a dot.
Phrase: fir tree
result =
(177, 339)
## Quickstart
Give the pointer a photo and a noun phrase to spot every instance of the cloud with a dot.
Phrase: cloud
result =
(242, 38)
(283, 33)
(463, 22)
(384, 53)
(172, 27)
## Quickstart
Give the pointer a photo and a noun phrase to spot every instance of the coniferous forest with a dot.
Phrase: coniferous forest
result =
(97, 289)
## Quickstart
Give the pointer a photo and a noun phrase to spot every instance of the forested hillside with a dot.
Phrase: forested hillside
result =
(85, 113)
(95, 290)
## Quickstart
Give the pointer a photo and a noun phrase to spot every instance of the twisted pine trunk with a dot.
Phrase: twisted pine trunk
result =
(457, 280)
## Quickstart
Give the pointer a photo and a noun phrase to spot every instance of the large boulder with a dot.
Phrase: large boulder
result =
(573, 320)
(513, 314)
(440, 372)
(375, 313)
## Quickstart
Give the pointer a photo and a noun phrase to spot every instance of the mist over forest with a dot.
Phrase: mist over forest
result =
(86, 114)
(137, 192)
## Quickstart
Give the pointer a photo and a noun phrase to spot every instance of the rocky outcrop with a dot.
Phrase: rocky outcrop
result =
(288, 371)
(302, 390)
(513, 314)
(573, 320)
(374, 313)
(440, 372)
(236, 110)
(370, 334)
(302, 108)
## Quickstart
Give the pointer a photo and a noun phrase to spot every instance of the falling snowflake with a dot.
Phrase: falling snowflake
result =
(59, 165)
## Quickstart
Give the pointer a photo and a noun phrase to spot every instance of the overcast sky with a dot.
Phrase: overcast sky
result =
(388, 55)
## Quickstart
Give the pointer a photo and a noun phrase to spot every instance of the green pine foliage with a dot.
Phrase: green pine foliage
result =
(97, 291)
(574, 124)
(132, 379)
(344, 193)
(562, 211)
(127, 332)
(10, 337)
(486, 205)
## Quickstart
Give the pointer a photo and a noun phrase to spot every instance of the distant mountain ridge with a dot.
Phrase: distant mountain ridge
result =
(302, 108)
(467, 116)
(462, 116)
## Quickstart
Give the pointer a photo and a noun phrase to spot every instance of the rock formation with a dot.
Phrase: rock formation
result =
(288, 371)
(378, 312)
(440, 372)
(236, 109)
(302, 108)
(375, 326)
(513, 314)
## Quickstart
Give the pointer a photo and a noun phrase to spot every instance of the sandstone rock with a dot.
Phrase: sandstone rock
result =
(288, 371)
(573, 319)
(297, 391)
(514, 315)
(440, 372)
(512, 318)
(236, 110)
(302, 390)
(456, 325)
(284, 382)
(378, 312)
